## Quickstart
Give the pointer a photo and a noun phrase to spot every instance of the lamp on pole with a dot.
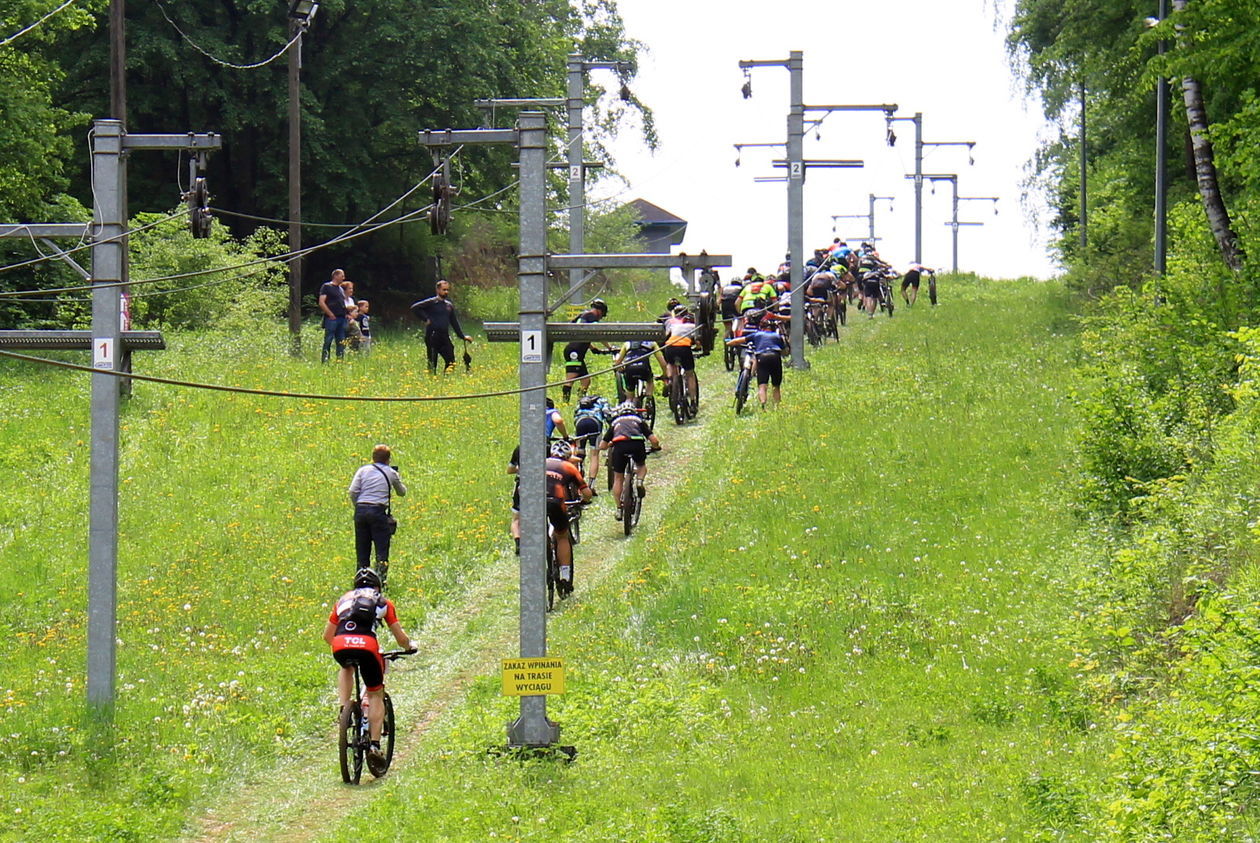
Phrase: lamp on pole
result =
(301, 14)
(919, 143)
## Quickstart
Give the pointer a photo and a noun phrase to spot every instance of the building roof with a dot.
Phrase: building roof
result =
(649, 214)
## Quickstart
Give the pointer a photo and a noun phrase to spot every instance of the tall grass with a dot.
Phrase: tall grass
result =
(841, 631)
(844, 628)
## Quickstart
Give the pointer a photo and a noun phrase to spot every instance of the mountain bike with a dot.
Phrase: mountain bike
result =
(744, 381)
(631, 503)
(353, 738)
(682, 403)
(932, 287)
(837, 314)
(815, 321)
(559, 580)
(885, 295)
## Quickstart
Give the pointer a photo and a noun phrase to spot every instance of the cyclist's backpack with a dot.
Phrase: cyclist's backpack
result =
(359, 610)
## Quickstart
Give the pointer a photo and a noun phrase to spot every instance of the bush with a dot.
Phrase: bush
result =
(234, 282)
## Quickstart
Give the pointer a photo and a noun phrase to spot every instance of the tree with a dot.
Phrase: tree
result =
(1205, 164)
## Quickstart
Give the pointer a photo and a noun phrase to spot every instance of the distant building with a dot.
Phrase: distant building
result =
(659, 230)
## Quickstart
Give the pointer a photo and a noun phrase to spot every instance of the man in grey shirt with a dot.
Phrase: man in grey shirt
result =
(373, 524)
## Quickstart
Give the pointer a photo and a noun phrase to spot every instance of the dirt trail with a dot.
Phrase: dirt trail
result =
(302, 797)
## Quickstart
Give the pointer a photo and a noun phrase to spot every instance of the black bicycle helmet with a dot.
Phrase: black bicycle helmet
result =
(599, 304)
(367, 578)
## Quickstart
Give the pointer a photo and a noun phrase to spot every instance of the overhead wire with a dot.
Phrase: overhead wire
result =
(308, 396)
(215, 58)
(27, 29)
(348, 235)
(43, 258)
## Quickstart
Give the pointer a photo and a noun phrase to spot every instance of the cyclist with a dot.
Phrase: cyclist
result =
(351, 632)
(575, 352)
(555, 421)
(757, 294)
(730, 292)
(767, 343)
(624, 439)
(592, 415)
(822, 285)
(670, 306)
(910, 281)
(636, 359)
(679, 333)
(564, 483)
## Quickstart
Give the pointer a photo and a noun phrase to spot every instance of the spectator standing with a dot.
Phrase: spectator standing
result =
(373, 523)
(365, 325)
(439, 312)
(332, 302)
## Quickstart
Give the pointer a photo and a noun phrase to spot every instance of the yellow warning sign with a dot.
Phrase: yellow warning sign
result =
(527, 677)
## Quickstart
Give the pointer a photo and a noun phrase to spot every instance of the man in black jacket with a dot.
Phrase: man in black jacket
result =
(439, 313)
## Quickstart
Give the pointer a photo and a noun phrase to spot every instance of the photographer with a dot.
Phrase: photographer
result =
(373, 523)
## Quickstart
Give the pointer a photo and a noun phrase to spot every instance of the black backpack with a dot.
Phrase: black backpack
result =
(360, 614)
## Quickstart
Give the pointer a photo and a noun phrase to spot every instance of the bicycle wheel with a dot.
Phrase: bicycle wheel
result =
(730, 357)
(677, 401)
(693, 404)
(349, 743)
(932, 289)
(553, 574)
(843, 315)
(741, 390)
(812, 335)
(628, 498)
(387, 733)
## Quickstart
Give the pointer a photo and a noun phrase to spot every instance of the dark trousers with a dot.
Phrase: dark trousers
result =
(439, 343)
(371, 527)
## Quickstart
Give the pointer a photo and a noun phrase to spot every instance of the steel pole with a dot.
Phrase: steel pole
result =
(533, 728)
(796, 205)
(118, 60)
(954, 183)
(109, 260)
(1161, 160)
(1084, 203)
(295, 190)
(870, 218)
(918, 187)
(577, 178)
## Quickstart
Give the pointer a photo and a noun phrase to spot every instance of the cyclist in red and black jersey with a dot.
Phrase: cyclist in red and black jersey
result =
(564, 483)
(351, 632)
(624, 439)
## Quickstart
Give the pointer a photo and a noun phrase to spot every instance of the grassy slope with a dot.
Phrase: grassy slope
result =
(911, 576)
(844, 633)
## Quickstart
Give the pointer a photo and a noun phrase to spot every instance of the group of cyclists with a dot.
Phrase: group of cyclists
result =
(755, 311)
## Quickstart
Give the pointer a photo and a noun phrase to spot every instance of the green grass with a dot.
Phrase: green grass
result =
(843, 629)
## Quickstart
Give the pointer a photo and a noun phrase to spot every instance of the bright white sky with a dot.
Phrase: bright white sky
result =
(946, 60)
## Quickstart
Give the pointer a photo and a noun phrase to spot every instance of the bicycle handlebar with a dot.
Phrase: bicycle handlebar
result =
(398, 654)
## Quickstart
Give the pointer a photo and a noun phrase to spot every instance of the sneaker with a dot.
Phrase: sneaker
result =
(594, 491)
(617, 517)
(376, 761)
(518, 546)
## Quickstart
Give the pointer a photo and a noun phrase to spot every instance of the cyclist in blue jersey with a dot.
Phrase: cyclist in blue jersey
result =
(767, 343)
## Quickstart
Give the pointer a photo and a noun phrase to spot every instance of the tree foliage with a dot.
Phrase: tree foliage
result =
(374, 73)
